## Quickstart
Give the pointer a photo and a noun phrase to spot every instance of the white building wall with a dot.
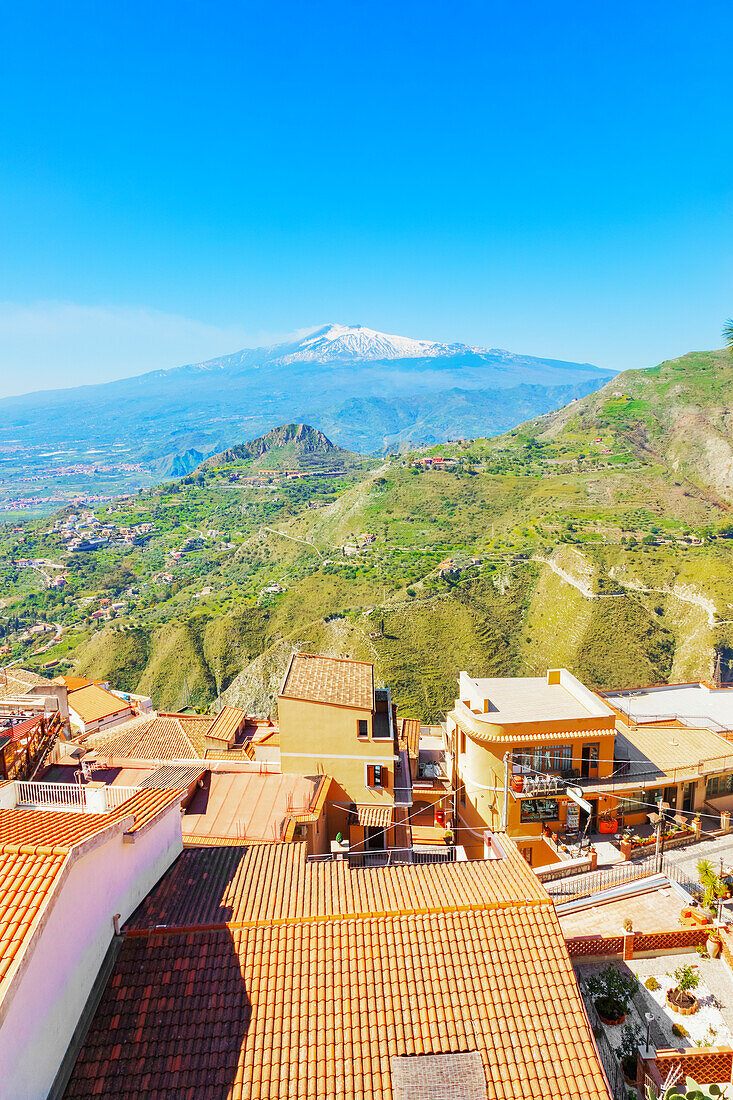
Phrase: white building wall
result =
(41, 1010)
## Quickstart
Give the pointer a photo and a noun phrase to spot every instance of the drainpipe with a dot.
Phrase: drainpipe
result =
(505, 816)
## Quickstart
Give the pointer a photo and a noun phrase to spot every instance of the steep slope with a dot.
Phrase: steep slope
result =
(680, 412)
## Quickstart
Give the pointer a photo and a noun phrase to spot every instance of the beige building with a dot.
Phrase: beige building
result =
(334, 721)
(505, 731)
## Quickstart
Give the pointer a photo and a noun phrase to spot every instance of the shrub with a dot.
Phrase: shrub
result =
(686, 978)
(651, 984)
(680, 1031)
(612, 990)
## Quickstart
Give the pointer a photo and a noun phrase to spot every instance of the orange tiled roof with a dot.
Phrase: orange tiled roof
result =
(265, 882)
(303, 1007)
(160, 737)
(19, 681)
(332, 680)
(92, 703)
(226, 723)
(409, 733)
(26, 884)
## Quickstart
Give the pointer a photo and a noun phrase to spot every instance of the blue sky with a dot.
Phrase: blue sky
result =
(178, 180)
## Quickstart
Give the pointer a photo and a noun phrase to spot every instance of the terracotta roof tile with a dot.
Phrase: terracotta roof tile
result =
(20, 681)
(160, 737)
(93, 703)
(319, 1009)
(276, 882)
(409, 734)
(226, 724)
(330, 680)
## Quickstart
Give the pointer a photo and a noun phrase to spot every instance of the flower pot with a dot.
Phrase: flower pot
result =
(517, 783)
(610, 1021)
(608, 826)
(714, 947)
(685, 1004)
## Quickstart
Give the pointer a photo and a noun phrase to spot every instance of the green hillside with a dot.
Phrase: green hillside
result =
(597, 538)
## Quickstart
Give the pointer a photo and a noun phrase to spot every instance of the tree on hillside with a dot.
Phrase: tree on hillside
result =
(728, 334)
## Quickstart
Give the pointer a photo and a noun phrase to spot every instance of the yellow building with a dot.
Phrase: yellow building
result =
(333, 721)
(512, 739)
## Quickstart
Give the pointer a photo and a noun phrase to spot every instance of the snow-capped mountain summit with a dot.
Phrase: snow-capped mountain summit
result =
(339, 343)
(366, 389)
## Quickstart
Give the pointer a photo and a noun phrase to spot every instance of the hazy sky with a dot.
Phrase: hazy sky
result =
(181, 179)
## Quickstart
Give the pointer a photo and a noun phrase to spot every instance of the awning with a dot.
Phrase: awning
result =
(376, 817)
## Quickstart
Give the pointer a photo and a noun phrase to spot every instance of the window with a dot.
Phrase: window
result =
(632, 804)
(589, 760)
(521, 760)
(719, 784)
(540, 809)
(549, 758)
(463, 795)
(362, 728)
(463, 741)
(527, 853)
(376, 775)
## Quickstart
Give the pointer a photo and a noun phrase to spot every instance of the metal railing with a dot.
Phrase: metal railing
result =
(609, 1059)
(50, 794)
(584, 885)
(117, 795)
(390, 857)
(68, 796)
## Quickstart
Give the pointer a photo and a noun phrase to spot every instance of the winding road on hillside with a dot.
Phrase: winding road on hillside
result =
(684, 593)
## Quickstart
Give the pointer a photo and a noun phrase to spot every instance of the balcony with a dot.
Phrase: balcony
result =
(92, 798)
(393, 857)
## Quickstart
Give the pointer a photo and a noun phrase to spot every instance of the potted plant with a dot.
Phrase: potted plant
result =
(608, 823)
(714, 943)
(612, 991)
(628, 1051)
(681, 998)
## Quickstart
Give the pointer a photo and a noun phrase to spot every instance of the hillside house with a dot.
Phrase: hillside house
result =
(334, 721)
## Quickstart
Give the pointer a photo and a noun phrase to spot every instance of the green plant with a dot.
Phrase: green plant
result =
(651, 984)
(686, 978)
(689, 1091)
(628, 1049)
(679, 1031)
(612, 991)
(713, 886)
(628, 926)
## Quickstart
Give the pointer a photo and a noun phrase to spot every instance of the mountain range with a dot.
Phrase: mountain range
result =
(368, 391)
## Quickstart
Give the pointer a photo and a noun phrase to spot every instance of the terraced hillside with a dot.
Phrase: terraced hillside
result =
(597, 538)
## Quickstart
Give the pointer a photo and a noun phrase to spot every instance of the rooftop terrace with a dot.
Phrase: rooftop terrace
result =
(693, 704)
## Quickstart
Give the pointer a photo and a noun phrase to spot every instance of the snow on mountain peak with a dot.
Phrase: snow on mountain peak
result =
(353, 343)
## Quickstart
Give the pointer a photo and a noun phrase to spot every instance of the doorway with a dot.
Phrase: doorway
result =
(688, 797)
(589, 761)
(374, 839)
